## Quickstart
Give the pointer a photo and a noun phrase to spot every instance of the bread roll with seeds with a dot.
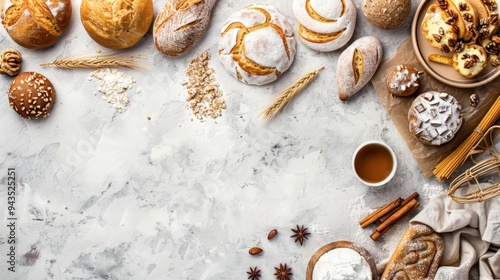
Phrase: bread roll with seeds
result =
(32, 95)
(116, 24)
(180, 25)
(386, 14)
(434, 118)
(35, 24)
(325, 25)
(257, 45)
(357, 64)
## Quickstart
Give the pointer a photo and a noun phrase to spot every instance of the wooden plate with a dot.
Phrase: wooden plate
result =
(443, 73)
(341, 244)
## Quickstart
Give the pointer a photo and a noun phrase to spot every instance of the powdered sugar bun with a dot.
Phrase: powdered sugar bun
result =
(325, 25)
(403, 81)
(257, 45)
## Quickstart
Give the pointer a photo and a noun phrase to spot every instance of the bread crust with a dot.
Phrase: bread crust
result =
(116, 24)
(417, 255)
(35, 24)
(180, 25)
(386, 14)
(357, 64)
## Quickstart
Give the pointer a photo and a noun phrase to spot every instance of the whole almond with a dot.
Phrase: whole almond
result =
(255, 251)
(272, 234)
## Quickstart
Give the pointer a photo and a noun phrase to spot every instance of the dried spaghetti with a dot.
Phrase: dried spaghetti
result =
(448, 165)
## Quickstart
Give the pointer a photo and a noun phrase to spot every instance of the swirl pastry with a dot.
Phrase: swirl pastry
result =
(325, 25)
(417, 255)
(257, 45)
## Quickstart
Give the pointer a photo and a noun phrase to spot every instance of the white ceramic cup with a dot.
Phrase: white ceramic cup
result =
(394, 163)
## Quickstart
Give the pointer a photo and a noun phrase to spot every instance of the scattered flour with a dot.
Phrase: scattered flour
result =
(342, 264)
(113, 84)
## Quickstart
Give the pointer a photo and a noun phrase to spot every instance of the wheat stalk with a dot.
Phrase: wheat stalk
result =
(288, 94)
(94, 61)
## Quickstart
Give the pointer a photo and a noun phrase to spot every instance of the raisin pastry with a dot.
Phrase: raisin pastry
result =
(470, 61)
(439, 30)
(403, 81)
(325, 25)
(434, 118)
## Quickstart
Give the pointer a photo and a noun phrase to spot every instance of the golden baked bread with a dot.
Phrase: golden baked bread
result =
(434, 118)
(35, 24)
(417, 255)
(32, 95)
(470, 61)
(325, 25)
(180, 25)
(438, 29)
(403, 81)
(386, 14)
(257, 45)
(357, 64)
(116, 24)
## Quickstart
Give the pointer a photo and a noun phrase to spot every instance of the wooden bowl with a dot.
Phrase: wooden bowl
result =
(341, 244)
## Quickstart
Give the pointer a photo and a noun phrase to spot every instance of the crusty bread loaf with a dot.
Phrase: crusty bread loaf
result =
(35, 24)
(386, 14)
(325, 25)
(257, 45)
(32, 95)
(357, 64)
(434, 118)
(417, 255)
(116, 24)
(180, 25)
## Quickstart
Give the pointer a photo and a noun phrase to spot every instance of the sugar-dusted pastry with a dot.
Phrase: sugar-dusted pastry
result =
(416, 256)
(257, 45)
(434, 118)
(357, 64)
(32, 95)
(470, 61)
(35, 24)
(386, 14)
(403, 81)
(325, 25)
(438, 29)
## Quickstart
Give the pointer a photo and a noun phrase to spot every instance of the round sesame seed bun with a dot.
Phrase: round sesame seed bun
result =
(32, 95)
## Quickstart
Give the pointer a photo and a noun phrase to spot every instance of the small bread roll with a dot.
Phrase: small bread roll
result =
(257, 45)
(434, 118)
(116, 24)
(32, 95)
(357, 64)
(417, 255)
(180, 25)
(35, 24)
(325, 25)
(386, 14)
(403, 81)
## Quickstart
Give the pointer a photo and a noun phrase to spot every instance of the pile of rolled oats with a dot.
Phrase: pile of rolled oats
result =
(204, 95)
(113, 84)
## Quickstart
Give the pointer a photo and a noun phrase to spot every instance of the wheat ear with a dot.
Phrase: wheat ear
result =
(95, 61)
(288, 94)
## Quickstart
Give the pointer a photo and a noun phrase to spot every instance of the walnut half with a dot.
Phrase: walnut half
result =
(10, 62)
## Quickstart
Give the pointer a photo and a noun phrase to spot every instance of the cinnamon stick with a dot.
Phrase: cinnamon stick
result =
(398, 215)
(406, 201)
(377, 234)
(377, 214)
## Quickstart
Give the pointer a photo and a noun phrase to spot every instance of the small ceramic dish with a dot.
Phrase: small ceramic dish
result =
(443, 73)
(341, 244)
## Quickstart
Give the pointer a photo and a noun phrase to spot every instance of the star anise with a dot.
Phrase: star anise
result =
(254, 273)
(283, 273)
(300, 234)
